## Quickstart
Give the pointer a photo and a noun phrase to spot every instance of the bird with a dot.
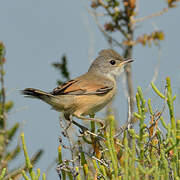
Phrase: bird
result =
(88, 93)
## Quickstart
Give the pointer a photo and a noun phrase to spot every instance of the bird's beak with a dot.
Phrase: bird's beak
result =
(128, 60)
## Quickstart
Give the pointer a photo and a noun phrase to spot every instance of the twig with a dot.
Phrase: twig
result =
(124, 85)
(154, 123)
(95, 158)
(66, 134)
(11, 91)
(128, 71)
(156, 70)
(106, 35)
(120, 131)
(105, 7)
(18, 110)
(101, 161)
(3, 101)
(149, 16)
(119, 27)
(3, 94)
(124, 33)
(50, 166)
(128, 124)
(91, 38)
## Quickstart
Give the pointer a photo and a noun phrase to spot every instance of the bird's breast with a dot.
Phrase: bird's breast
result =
(90, 104)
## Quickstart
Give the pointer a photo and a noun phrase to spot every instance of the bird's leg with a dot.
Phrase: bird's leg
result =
(93, 120)
(69, 124)
(83, 128)
(90, 119)
(102, 122)
(69, 118)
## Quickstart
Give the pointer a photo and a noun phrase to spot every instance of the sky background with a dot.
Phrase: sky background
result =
(37, 33)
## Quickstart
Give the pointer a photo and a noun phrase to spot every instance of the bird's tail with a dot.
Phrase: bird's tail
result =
(36, 93)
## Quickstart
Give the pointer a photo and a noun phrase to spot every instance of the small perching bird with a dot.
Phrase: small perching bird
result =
(88, 93)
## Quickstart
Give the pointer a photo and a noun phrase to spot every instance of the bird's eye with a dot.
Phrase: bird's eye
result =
(112, 62)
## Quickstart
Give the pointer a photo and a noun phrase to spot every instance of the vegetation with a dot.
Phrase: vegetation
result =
(8, 135)
(149, 151)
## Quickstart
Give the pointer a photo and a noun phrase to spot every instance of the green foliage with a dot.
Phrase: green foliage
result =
(62, 68)
(150, 152)
(33, 175)
(7, 135)
(2, 173)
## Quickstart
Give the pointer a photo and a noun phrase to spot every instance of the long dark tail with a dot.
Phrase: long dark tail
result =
(36, 93)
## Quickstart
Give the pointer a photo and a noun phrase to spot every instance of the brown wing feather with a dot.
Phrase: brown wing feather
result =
(60, 89)
(81, 87)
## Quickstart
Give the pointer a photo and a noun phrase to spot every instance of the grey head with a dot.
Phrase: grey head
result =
(108, 63)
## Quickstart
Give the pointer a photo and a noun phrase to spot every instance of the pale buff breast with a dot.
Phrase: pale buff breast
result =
(90, 104)
(82, 104)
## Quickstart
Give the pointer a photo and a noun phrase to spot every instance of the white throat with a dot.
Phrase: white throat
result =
(115, 74)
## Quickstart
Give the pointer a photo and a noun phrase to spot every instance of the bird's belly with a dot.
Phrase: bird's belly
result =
(91, 104)
(64, 104)
(95, 108)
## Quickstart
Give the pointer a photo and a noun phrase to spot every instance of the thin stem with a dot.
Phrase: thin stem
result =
(128, 72)
(2, 102)
(150, 16)
(3, 95)
(108, 37)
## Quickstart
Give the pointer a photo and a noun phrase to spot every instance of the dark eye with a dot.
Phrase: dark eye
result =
(112, 62)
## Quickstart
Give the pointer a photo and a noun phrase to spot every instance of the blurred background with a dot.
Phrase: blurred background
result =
(37, 33)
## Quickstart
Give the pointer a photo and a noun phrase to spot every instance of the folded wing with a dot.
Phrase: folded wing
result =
(82, 87)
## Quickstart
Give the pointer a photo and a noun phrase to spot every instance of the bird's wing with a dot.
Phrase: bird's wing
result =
(82, 87)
